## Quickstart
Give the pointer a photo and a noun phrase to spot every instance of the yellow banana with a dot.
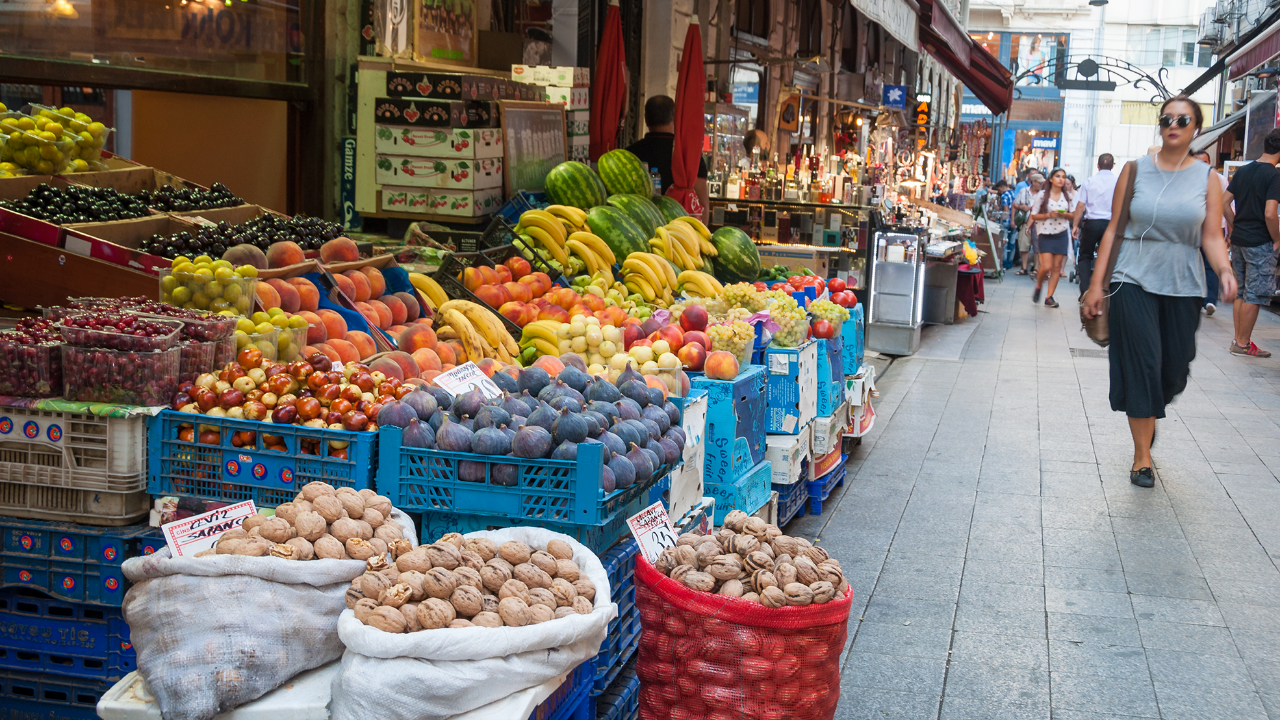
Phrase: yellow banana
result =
(688, 238)
(637, 264)
(539, 331)
(430, 289)
(707, 248)
(659, 244)
(446, 333)
(471, 341)
(663, 268)
(545, 220)
(696, 224)
(485, 322)
(597, 245)
(574, 215)
(692, 279)
(688, 261)
(646, 289)
(504, 356)
(711, 281)
(593, 262)
(546, 348)
(548, 241)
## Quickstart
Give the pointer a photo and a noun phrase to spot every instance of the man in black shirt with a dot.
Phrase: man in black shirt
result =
(1255, 240)
(656, 146)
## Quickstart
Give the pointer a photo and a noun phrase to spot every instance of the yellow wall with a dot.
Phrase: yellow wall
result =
(238, 142)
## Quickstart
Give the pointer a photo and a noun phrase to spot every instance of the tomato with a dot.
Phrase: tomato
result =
(784, 287)
(796, 280)
(821, 285)
(759, 286)
(823, 329)
(836, 285)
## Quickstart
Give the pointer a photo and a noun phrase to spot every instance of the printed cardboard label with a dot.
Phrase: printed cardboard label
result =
(652, 530)
(201, 532)
(465, 378)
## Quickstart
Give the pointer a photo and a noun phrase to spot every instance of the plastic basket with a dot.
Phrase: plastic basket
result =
(69, 562)
(120, 376)
(558, 491)
(621, 701)
(30, 370)
(195, 292)
(25, 696)
(88, 149)
(624, 631)
(197, 358)
(71, 450)
(597, 538)
(820, 489)
(41, 635)
(571, 701)
(212, 327)
(447, 278)
(521, 201)
(37, 155)
(791, 500)
(227, 473)
(90, 338)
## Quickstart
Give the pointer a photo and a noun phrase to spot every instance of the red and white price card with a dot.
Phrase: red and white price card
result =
(195, 534)
(467, 377)
(652, 530)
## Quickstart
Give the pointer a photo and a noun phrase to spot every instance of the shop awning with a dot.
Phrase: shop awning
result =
(1254, 54)
(970, 63)
(1215, 131)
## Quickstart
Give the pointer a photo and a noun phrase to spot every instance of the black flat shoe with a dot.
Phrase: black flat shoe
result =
(1143, 477)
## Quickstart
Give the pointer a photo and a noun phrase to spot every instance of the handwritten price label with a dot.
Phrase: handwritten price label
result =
(201, 532)
(467, 377)
(652, 530)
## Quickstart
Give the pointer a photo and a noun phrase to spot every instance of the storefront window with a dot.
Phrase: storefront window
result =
(1032, 57)
(990, 41)
(810, 28)
(747, 92)
(752, 19)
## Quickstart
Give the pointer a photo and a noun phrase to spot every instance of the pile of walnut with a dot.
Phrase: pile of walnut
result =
(753, 560)
(320, 523)
(463, 582)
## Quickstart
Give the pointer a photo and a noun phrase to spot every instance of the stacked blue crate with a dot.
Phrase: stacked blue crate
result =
(571, 701)
(624, 631)
(622, 700)
(820, 489)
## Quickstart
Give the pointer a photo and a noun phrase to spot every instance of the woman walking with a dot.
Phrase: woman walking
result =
(1052, 215)
(1158, 278)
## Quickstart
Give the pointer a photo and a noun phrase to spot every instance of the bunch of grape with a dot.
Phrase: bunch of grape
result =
(829, 311)
(792, 322)
(744, 295)
(736, 337)
(737, 313)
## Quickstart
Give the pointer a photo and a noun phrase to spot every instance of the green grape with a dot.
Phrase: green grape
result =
(744, 295)
(829, 311)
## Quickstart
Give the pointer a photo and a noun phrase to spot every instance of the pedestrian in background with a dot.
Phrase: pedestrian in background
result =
(1006, 206)
(1092, 215)
(1022, 206)
(1255, 240)
(1051, 211)
(1210, 304)
(1158, 278)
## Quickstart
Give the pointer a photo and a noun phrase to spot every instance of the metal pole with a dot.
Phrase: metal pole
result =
(1091, 124)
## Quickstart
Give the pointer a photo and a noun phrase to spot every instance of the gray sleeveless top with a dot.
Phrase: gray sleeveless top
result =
(1161, 248)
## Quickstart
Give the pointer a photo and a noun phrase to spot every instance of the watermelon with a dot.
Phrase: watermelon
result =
(669, 208)
(619, 232)
(641, 210)
(573, 183)
(739, 260)
(623, 172)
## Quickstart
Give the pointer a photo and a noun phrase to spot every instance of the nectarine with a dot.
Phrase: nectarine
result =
(398, 311)
(308, 294)
(335, 325)
(284, 254)
(363, 343)
(721, 365)
(417, 337)
(347, 352)
(412, 308)
(267, 296)
(384, 313)
(362, 289)
(345, 286)
(377, 284)
(246, 254)
(338, 250)
(290, 300)
(317, 332)
(426, 359)
(518, 292)
(328, 350)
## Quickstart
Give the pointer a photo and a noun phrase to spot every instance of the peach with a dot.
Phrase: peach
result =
(513, 311)
(699, 337)
(398, 365)
(518, 292)
(552, 365)
(489, 274)
(337, 250)
(267, 296)
(346, 351)
(492, 295)
(447, 367)
(531, 313)
(345, 286)
(472, 279)
(412, 309)
(445, 352)
(671, 333)
(417, 337)
(535, 285)
(519, 266)
(406, 362)
(334, 324)
(368, 313)
(721, 365)
(308, 294)
(399, 313)
(290, 300)
(430, 375)
(426, 359)
(363, 291)
(377, 284)
(504, 274)
(654, 381)
(317, 331)
(594, 302)
(284, 254)
(554, 312)
(329, 351)
(692, 355)
(363, 343)
(547, 283)
(246, 254)
(459, 354)
(489, 366)
(631, 334)
(383, 312)
(564, 297)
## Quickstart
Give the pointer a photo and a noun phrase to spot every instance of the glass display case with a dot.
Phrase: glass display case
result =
(724, 128)
(895, 307)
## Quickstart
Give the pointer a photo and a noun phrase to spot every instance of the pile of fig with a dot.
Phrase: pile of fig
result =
(540, 416)
(320, 523)
(459, 582)
(751, 559)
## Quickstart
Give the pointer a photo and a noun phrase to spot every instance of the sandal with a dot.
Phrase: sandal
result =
(1021, 272)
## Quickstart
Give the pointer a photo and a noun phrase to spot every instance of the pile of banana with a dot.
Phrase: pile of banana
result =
(480, 331)
(539, 338)
(699, 284)
(430, 289)
(684, 241)
(563, 232)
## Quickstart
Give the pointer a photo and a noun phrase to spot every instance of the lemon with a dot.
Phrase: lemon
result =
(201, 300)
(243, 304)
(280, 321)
(97, 128)
(181, 295)
(219, 305)
(49, 152)
(224, 273)
(203, 259)
(85, 138)
(260, 317)
(168, 283)
(203, 273)
(222, 264)
(228, 313)
(247, 271)
(231, 292)
(297, 322)
(275, 312)
(264, 328)
(54, 129)
(179, 260)
(79, 165)
(244, 325)
(27, 123)
(213, 289)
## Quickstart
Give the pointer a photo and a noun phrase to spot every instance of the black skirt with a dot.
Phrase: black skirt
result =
(1153, 341)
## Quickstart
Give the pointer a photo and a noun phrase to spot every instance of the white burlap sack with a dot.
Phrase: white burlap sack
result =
(434, 674)
(213, 633)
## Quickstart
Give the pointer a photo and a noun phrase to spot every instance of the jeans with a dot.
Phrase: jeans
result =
(1010, 244)
(1210, 282)
(1091, 232)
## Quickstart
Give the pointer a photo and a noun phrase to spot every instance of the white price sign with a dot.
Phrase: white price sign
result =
(201, 532)
(467, 377)
(652, 530)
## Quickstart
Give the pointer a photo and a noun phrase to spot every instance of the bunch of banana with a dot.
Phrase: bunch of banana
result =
(651, 277)
(700, 284)
(574, 219)
(430, 289)
(684, 241)
(539, 338)
(594, 252)
(481, 333)
(546, 230)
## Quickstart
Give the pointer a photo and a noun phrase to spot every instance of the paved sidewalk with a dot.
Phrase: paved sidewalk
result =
(1003, 565)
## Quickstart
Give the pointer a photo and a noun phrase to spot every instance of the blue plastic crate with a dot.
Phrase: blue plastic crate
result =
(620, 564)
(791, 501)
(571, 701)
(748, 493)
(518, 203)
(558, 491)
(79, 563)
(40, 635)
(227, 473)
(597, 538)
(853, 332)
(46, 697)
(619, 646)
(736, 412)
(792, 388)
(820, 489)
(621, 701)
(830, 376)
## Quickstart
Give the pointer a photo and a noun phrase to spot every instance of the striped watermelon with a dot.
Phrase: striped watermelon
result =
(623, 172)
(619, 232)
(669, 208)
(573, 183)
(641, 210)
(739, 259)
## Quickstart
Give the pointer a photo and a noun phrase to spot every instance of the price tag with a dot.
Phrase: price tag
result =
(467, 377)
(198, 533)
(652, 530)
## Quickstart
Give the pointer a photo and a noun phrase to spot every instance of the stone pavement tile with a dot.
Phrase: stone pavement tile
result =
(987, 682)
(1061, 714)
(1094, 628)
(1096, 557)
(998, 621)
(886, 609)
(1145, 528)
(1070, 467)
(1253, 590)
(903, 640)
(998, 571)
(863, 703)
(989, 549)
(1071, 520)
(1198, 669)
(1124, 696)
(1091, 658)
(1271, 701)
(1088, 602)
(999, 650)
(1060, 537)
(1064, 485)
(1109, 581)
(965, 708)
(1178, 610)
(1206, 639)
(922, 676)
(922, 542)
(1195, 702)
(1003, 596)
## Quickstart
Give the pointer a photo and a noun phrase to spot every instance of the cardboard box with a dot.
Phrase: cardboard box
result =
(582, 76)
(446, 173)
(460, 203)
(793, 387)
(232, 215)
(118, 242)
(35, 274)
(438, 142)
(434, 86)
(858, 388)
(580, 148)
(823, 465)
(25, 226)
(563, 75)
(532, 74)
(573, 98)
(686, 480)
(794, 256)
(129, 181)
(827, 431)
(861, 420)
(787, 454)
(436, 113)
(578, 122)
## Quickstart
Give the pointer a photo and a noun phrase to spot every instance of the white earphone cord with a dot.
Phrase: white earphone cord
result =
(1154, 210)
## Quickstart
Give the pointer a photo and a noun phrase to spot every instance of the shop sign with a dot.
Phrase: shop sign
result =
(1044, 143)
(746, 94)
(922, 110)
(974, 109)
(896, 17)
(895, 97)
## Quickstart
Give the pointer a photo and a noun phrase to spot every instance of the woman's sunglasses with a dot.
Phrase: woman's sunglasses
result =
(1181, 121)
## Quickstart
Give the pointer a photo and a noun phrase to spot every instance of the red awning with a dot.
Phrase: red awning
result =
(1254, 54)
(969, 62)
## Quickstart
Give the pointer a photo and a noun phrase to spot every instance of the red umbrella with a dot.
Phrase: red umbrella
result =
(690, 89)
(609, 86)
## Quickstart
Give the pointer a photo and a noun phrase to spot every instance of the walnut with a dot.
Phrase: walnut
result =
(275, 529)
(235, 533)
(772, 597)
(434, 613)
(367, 494)
(544, 561)
(771, 532)
(373, 517)
(823, 592)
(735, 520)
(344, 529)
(258, 547)
(843, 588)
(344, 490)
(567, 569)
(679, 571)
(328, 507)
(410, 613)
(516, 589)
(783, 559)
(467, 601)
(392, 573)
(806, 571)
(493, 576)
(798, 594)
(690, 539)
(564, 591)
(542, 596)
(706, 552)
(389, 532)
(785, 545)
(444, 555)
(366, 530)
(363, 607)
(731, 588)
(514, 611)
(786, 574)
(372, 584)
(396, 595)
(439, 582)
(378, 546)
(743, 545)
(352, 503)
(468, 576)
(665, 562)
(379, 503)
(801, 544)
(753, 597)
(816, 554)
(585, 588)
(540, 614)
(484, 547)
(756, 528)
(686, 555)
(532, 575)
(329, 548)
(300, 506)
(398, 547)
(354, 593)
(560, 550)
(696, 580)
(461, 623)
(490, 603)
(767, 549)
(313, 490)
(514, 552)
(413, 579)
(233, 546)
(282, 551)
(454, 539)
(310, 526)
(583, 606)
(252, 522)
(724, 567)
(762, 579)
(359, 549)
(488, 618)
(286, 511)
(757, 561)
(414, 560)
(471, 560)
(564, 612)
(378, 563)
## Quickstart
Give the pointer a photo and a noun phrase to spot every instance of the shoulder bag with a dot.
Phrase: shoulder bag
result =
(1097, 328)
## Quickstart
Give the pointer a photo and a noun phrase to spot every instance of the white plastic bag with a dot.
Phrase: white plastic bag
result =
(213, 633)
(434, 674)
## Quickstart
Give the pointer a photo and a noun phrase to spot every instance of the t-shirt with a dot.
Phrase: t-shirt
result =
(1055, 224)
(1252, 186)
(655, 149)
